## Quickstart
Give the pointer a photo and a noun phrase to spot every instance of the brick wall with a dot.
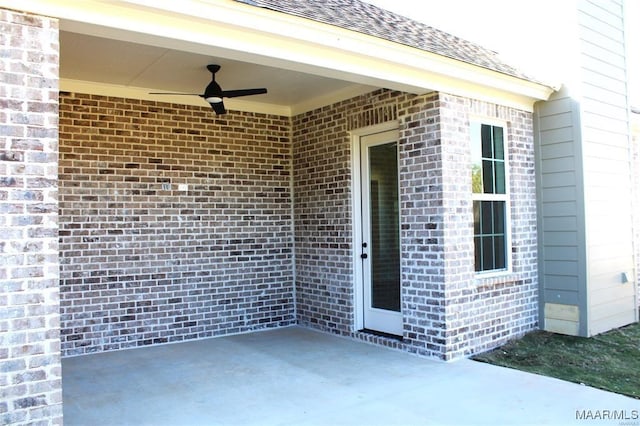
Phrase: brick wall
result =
(322, 204)
(322, 179)
(423, 216)
(30, 382)
(447, 311)
(482, 313)
(175, 224)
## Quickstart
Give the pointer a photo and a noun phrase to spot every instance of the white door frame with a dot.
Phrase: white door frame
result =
(356, 192)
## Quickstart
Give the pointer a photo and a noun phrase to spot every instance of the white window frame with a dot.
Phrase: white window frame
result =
(506, 197)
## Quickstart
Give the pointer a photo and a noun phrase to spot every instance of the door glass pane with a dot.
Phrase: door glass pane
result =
(384, 220)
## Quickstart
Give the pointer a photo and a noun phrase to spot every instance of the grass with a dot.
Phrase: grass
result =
(609, 361)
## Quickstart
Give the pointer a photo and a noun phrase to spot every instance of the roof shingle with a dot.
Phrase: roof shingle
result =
(356, 15)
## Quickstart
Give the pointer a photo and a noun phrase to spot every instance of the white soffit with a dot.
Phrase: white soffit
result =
(236, 31)
(110, 67)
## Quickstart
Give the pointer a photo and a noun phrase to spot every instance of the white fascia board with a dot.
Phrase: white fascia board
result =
(242, 32)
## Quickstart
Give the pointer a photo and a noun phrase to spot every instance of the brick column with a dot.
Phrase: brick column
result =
(449, 312)
(30, 373)
(484, 312)
(457, 242)
(422, 227)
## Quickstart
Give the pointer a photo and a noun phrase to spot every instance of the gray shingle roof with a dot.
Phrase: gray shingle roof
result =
(368, 19)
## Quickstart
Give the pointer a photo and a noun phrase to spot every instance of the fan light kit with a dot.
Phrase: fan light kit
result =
(214, 94)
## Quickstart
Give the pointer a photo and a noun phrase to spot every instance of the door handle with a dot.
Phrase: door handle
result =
(364, 255)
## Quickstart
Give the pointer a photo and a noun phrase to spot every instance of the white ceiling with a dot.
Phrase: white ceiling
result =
(109, 62)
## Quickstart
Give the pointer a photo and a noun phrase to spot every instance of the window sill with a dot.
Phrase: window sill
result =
(490, 279)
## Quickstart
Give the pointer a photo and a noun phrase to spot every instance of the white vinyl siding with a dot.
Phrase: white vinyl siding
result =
(607, 167)
(585, 185)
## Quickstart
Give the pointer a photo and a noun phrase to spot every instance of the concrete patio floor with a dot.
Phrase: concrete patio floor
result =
(297, 376)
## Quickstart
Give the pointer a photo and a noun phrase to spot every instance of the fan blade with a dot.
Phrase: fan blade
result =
(218, 107)
(242, 92)
(171, 93)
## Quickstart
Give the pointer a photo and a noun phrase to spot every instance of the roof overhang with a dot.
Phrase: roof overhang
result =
(237, 31)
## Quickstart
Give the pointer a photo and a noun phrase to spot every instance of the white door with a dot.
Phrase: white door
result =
(380, 251)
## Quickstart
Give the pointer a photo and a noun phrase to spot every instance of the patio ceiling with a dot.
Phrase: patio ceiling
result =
(109, 66)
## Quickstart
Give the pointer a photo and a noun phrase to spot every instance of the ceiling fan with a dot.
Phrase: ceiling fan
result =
(214, 94)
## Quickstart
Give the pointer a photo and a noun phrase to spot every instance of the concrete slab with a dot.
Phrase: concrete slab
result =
(297, 376)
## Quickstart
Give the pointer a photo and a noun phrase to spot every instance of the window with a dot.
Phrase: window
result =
(490, 198)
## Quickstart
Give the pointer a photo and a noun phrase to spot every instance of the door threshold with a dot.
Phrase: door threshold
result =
(381, 334)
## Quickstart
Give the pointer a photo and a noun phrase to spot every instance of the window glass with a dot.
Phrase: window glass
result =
(487, 144)
(476, 218)
(489, 238)
(488, 175)
(498, 176)
(498, 208)
(499, 251)
(476, 159)
(486, 209)
(498, 143)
